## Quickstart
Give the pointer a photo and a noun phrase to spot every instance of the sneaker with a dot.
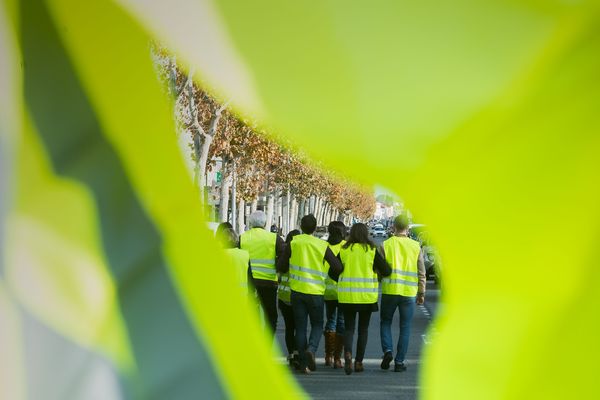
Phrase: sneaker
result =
(310, 358)
(387, 359)
(399, 367)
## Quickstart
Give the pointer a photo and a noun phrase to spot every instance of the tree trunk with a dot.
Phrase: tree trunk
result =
(234, 215)
(294, 213)
(287, 213)
(318, 208)
(300, 211)
(254, 205)
(324, 220)
(247, 208)
(278, 209)
(226, 182)
(240, 218)
(270, 210)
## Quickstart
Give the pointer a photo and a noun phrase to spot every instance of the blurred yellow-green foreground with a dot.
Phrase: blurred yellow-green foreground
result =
(483, 116)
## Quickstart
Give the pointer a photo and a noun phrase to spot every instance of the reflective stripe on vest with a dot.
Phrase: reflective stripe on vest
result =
(402, 254)
(358, 283)
(331, 285)
(261, 246)
(307, 269)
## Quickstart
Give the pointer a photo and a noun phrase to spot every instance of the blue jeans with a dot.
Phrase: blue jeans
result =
(307, 306)
(406, 307)
(335, 317)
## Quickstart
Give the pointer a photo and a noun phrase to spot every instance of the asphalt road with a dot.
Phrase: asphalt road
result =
(373, 383)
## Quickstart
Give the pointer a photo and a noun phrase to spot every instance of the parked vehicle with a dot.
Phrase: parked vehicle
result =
(379, 232)
(321, 232)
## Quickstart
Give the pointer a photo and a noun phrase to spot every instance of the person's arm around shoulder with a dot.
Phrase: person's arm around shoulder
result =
(335, 265)
(380, 266)
(422, 278)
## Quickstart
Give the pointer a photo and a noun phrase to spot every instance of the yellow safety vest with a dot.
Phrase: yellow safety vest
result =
(358, 283)
(283, 290)
(331, 285)
(402, 254)
(261, 246)
(240, 259)
(307, 267)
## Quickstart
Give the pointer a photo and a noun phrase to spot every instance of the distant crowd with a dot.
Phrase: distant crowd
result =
(332, 284)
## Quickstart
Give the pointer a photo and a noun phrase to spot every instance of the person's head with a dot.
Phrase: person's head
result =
(308, 224)
(337, 232)
(258, 219)
(274, 228)
(401, 223)
(222, 226)
(291, 235)
(359, 234)
(228, 237)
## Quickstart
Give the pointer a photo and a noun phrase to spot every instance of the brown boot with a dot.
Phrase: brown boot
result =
(358, 366)
(348, 363)
(337, 352)
(329, 347)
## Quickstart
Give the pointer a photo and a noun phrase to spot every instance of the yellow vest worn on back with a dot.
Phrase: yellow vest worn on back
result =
(307, 268)
(240, 259)
(331, 285)
(284, 293)
(402, 254)
(358, 283)
(261, 246)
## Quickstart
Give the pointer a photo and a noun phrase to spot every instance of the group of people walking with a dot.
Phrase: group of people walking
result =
(307, 277)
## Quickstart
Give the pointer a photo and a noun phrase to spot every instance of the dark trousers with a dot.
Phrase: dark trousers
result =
(307, 306)
(363, 332)
(290, 326)
(268, 300)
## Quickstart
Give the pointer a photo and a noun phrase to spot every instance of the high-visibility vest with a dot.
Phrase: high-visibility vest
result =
(261, 246)
(402, 254)
(284, 293)
(307, 267)
(358, 283)
(331, 285)
(240, 259)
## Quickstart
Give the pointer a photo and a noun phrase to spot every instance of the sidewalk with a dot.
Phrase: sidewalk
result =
(374, 383)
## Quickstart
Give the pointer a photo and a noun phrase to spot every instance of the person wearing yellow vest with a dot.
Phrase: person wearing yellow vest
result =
(400, 290)
(263, 247)
(308, 260)
(358, 290)
(334, 325)
(284, 303)
(240, 258)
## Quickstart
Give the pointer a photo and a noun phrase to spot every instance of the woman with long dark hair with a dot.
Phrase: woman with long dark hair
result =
(334, 325)
(358, 290)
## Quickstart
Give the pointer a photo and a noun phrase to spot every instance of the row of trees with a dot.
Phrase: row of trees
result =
(256, 171)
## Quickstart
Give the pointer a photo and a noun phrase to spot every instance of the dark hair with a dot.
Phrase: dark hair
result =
(228, 237)
(291, 235)
(359, 234)
(337, 232)
(308, 224)
(401, 223)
